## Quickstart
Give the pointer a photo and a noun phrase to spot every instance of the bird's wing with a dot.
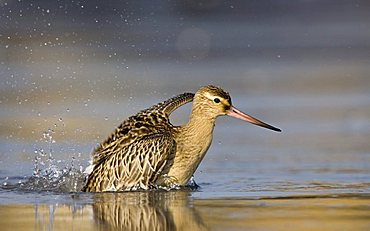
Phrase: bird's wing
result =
(172, 104)
(148, 121)
(135, 166)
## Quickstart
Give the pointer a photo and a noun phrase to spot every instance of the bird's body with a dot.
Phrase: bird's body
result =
(146, 151)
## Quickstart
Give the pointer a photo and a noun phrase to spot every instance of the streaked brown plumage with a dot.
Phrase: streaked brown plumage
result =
(147, 151)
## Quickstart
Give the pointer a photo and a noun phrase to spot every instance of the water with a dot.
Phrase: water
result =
(70, 79)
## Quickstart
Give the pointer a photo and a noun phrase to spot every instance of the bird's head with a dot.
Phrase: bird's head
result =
(215, 102)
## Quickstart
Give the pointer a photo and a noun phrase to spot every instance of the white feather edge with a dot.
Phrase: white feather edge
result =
(89, 168)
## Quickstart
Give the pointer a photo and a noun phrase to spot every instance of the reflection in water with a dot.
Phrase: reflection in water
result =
(146, 211)
(174, 211)
(160, 210)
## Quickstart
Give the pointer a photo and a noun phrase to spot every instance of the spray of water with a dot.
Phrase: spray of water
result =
(49, 175)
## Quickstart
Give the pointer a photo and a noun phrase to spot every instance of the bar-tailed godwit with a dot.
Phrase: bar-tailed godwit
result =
(146, 151)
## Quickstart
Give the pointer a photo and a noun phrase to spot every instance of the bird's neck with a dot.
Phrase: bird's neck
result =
(193, 141)
(200, 125)
(196, 136)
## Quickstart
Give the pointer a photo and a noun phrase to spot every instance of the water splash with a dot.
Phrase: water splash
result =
(45, 159)
(192, 184)
(49, 174)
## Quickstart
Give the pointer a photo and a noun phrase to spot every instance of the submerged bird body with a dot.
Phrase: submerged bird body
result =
(147, 151)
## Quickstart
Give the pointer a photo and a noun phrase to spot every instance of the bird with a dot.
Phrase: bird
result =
(147, 152)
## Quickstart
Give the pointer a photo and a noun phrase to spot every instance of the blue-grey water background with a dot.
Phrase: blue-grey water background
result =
(71, 71)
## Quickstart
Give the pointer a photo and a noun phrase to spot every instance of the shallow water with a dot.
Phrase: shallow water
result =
(183, 211)
(64, 89)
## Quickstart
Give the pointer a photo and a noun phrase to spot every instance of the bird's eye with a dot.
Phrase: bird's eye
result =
(217, 100)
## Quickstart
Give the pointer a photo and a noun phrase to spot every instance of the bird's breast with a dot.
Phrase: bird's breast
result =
(190, 151)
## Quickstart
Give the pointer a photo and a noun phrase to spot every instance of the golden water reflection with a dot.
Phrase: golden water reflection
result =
(145, 211)
(178, 211)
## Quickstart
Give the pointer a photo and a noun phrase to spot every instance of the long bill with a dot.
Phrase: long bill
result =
(233, 112)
